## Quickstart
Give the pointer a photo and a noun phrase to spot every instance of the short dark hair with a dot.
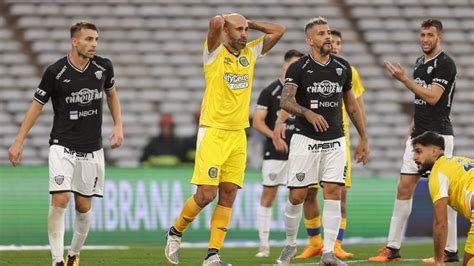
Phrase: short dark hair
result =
(292, 53)
(314, 21)
(336, 33)
(82, 24)
(429, 138)
(432, 23)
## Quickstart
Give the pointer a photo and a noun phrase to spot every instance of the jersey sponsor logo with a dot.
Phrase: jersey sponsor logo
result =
(77, 154)
(300, 176)
(236, 82)
(61, 72)
(422, 83)
(325, 88)
(244, 61)
(66, 80)
(213, 172)
(84, 96)
(74, 115)
(98, 74)
(315, 104)
(40, 92)
(324, 147)
(440, 81)
(419, 102)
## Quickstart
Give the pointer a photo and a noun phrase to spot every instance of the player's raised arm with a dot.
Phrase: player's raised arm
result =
(16, 149)
(273, 32)
(430, 96)
(354, 112)
(215, 33)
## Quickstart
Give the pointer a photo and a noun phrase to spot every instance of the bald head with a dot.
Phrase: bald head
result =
(236, 30)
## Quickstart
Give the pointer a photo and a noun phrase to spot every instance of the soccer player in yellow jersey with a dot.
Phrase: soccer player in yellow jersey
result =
(451, 182)
(221, 142)
(311, 207)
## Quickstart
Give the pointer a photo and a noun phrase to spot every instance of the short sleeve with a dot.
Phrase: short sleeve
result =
(257, 47)
(438, 185)
(207, 57)
(110, 80)
(45, 88)
(348, 83)
(293, 74)
(264, 100)
(446, 71)
(356, 83)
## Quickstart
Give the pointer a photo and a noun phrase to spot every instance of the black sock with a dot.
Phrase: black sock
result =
(174, 232)
(211, 251)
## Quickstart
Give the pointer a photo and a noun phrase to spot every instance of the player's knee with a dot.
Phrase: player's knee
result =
(296, 199)
(60, 199)
(204, 198)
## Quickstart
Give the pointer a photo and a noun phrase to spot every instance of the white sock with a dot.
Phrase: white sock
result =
(81, 228)
(452, 243)
(401, 212)
(264, 217)
(56, 232)
(331, 219)
(292, 222)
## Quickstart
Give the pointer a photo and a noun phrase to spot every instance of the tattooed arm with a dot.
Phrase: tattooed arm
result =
(289, 104)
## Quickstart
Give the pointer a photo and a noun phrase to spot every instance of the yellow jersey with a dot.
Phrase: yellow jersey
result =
(226, 102)
(453, 177)
(358, 91)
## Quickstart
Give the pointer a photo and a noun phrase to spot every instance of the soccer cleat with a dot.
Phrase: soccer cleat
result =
(310, 252)
(329, 258)
(386, 254)
(448, 257)
(342, 254)
(286, 255)
(214, 260)
(172, 248)
(263, 252)
(72, 260)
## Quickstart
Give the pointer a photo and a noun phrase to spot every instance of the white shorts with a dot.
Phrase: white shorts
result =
(78, 172)
(274, 172)
(409, 166)
(314, 161)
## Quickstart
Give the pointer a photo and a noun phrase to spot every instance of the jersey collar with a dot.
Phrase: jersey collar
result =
(75, 68)
(319, 63)
(434, 57)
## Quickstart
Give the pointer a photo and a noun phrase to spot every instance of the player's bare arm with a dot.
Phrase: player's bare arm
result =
(258, 122)
(440, 229)
(273, 33)
(360, 102)
(215, 33)
(352, 108)
(278, 134)
(430, 96)
(16, 149)
(116, 135)
(288, 103)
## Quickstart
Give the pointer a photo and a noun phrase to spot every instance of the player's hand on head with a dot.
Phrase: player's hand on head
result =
(319, 123)
(278, 138)
(116, 137)
(362, 152)
(15, 153)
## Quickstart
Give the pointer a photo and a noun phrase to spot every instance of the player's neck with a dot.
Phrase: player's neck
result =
(231, 49)
(322, 59)
(78, 61)
(433, 53)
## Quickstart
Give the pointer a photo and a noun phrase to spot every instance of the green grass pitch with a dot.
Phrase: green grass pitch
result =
(153, 255)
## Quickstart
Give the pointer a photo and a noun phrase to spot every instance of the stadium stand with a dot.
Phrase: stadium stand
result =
(156, 50)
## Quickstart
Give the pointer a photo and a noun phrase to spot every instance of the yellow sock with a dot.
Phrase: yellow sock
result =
(219, 222)
(313, 228)
(342, 230)
(188, 213)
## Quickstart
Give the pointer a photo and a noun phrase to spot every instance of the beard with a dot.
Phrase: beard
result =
(237, 45)
(324, 52)
(423, 168)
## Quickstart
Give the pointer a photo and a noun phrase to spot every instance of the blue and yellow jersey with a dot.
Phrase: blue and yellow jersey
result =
(229, 77)
(453, 177)
(358, 91)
